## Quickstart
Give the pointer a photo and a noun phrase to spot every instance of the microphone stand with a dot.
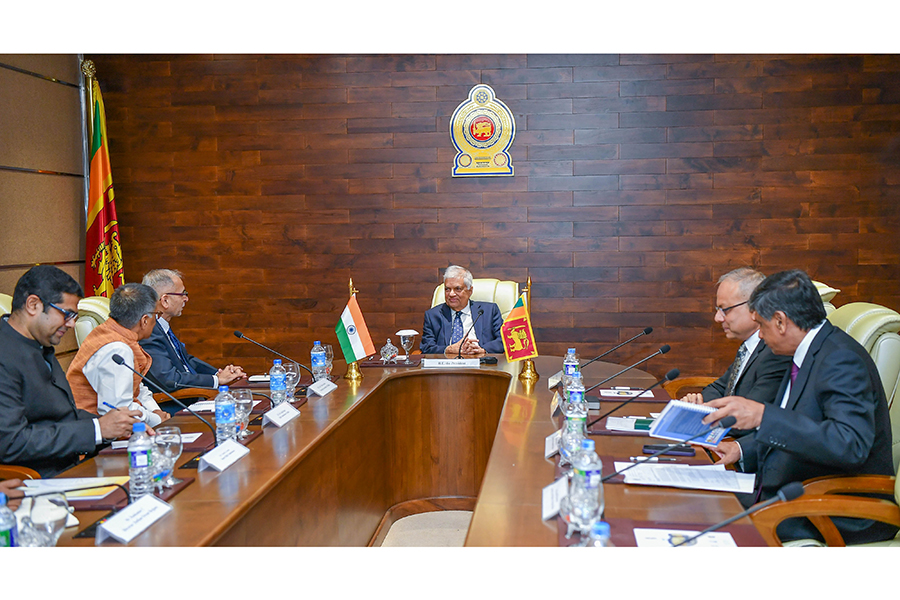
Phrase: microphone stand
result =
(662, 350)
(240, 335)
(465, 337)
(646, 331)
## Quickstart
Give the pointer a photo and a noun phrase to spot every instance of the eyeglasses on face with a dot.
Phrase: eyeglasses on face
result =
(68, 314)
(725, 310)
(183, 294)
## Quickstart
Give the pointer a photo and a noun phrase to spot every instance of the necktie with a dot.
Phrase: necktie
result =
(794, 370)
(179, 349)
(735, 370)
(456, 333)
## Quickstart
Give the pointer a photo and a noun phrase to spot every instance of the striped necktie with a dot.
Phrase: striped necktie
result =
(179, 350)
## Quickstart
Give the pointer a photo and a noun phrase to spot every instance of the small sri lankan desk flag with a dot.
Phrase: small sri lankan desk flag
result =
(353, 334)
(518, 339)
(103, 270)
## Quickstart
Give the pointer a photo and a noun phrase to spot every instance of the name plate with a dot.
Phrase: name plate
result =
(126, 524)
(551, 496)
(551, 443)
(554, 380)
(321, 387)
(223, 456)
(554, 404)
(450, 363)
(281, 414)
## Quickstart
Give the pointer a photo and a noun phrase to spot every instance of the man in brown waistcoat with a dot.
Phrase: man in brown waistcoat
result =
(98, 383)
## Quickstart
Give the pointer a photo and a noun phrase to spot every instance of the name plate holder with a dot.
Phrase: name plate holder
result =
(551, 443)
(126, 524)
(450, 363)
(321, 387)
(223, 456)
(280, 415)
(551, 496)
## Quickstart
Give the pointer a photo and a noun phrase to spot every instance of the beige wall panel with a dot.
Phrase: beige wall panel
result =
(40, 124)
(64, 67)
(43, 217)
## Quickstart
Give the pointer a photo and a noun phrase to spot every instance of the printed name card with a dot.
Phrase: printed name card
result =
(281, 414)
(321, 387)
(551, 443)
(554, 380)
(554, 404)
(450, 363)
(552, 495)
(223, 456)
(126, 524)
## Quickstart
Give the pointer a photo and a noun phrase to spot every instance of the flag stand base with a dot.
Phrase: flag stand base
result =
(353, 373)
(528, 372)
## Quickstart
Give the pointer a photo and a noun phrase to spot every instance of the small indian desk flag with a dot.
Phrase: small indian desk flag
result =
(353, 334)
(518, 339)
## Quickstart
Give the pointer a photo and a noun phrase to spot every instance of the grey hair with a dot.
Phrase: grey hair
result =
(746, 278)
(457, 271)
(130, 302)
(160, 279)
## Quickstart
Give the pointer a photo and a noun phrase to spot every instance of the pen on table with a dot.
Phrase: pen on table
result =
(653, 459)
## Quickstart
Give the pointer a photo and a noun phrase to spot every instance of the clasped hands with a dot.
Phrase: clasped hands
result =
(230, 374)
(470, 348)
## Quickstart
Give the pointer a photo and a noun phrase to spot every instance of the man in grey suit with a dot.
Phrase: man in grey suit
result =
(829, 416)
(40, 427)
(756, 371)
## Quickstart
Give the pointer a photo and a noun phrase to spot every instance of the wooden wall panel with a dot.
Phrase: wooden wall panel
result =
(270, 181)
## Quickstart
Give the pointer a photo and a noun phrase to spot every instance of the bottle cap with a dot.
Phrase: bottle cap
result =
(223, 388)
(139, 426)
(600, 528)
(2, 499)
(587, 445)
(317, 343)
(277, 361)
(571, 350)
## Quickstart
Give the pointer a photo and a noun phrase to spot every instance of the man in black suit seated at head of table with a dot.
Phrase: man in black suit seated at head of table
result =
(756, 372)
(829, 416)
(40, 427)
(171, 360)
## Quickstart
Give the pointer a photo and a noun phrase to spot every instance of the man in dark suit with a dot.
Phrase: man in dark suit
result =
(829, 416)
(40, 427)
(756, 371)
(445, 325)
(171, 360)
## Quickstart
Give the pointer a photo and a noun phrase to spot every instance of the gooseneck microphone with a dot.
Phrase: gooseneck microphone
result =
(791, 491)
(465, 337)
(724, 423)
(240, 335)
(662, 350)
(117, 358)
(646, 331)
(674, 373)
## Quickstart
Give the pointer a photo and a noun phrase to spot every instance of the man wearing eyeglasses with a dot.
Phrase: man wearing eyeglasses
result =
(171, 360)
(40, 426)
(756, 371)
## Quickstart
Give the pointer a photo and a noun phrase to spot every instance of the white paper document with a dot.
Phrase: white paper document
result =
(695, 477)
(66, 484)
(186, 438)
(666, 538)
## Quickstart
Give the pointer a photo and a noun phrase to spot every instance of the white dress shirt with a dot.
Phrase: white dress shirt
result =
(799, 355)
(114, 383)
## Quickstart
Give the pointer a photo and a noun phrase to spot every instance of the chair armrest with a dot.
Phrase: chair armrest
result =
(850, 484)
(819, 509)
(17, 472)
(675, 387)
(187, 393)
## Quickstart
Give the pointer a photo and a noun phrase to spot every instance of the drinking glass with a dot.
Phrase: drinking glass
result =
(243, 406)
(329, 359)
(167, 442)
(407, 339)
(49, 514)
(291, 377)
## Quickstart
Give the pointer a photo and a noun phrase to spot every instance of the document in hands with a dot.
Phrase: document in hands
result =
(681, 421)
(695, 477)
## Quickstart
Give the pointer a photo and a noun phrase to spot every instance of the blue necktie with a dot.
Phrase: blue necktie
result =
(457, 333)
(179, 350)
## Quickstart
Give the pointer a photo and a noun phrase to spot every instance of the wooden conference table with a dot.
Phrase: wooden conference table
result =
(404, 440)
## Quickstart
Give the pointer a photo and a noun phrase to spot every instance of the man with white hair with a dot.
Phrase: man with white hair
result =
(445, 327)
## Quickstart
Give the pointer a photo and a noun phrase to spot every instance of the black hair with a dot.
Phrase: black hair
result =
(793, 293)
(48, 283)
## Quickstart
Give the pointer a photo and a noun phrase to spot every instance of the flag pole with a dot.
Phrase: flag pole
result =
(353, 374)
(89, 71)
(528, 374)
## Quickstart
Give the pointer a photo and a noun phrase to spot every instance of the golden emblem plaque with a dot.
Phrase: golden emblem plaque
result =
(482, 129)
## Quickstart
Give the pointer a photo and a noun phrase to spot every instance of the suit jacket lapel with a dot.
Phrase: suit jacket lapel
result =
(446, 325)
(808, 360)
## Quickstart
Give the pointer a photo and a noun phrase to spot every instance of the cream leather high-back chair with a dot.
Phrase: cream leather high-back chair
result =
(5, 304)
(827, 293)
(92, 311)
(876, 328)
(503, 293)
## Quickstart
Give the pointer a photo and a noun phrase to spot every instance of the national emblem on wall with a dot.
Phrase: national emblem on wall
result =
(482, 129)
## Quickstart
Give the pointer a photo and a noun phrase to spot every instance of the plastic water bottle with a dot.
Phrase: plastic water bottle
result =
(8, 526)
(570, 366)
(575, 392)
(598, 536)
(319, 361)
(140, 462)
(277, 385)
(575, 428)
(226, 421)
(586, 494)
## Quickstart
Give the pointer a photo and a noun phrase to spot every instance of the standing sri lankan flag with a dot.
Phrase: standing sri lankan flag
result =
(103, 270)
(353, 334)
(518, 339)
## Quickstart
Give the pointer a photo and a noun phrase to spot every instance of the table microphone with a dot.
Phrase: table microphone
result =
(665, 348)
(174, 384)
(240, 335)
(480, 312)
(646, 331)
(121, 361)
(791, 491)
(674, 373)
(724, 422)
